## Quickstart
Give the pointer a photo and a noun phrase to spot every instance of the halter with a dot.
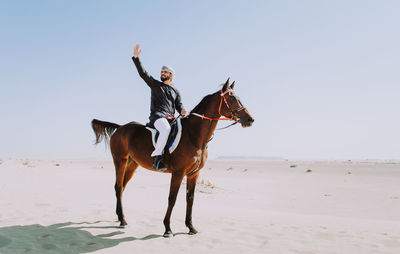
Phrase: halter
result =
(219, 109)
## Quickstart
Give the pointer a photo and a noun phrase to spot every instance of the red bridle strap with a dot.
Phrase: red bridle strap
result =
(226, 103)
(209, 118)
(219, 109)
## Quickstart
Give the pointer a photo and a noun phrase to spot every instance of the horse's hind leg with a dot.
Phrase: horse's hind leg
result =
(130, 170)
(120, 169)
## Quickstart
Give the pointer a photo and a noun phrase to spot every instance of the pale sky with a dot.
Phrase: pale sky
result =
(321, 78)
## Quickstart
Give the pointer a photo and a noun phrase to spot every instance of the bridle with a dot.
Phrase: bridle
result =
(233, 117)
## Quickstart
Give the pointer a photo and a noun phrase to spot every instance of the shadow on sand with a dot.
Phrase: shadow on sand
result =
(59, 238)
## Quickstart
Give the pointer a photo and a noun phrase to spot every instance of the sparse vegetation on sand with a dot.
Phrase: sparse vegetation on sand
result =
(27, 163)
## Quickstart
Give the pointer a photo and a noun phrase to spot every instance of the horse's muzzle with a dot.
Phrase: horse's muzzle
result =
(247, 121)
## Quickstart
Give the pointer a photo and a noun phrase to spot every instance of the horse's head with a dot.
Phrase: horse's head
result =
(232, 107)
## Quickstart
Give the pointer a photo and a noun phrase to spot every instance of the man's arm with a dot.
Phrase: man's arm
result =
(142, 73)
(178, 104)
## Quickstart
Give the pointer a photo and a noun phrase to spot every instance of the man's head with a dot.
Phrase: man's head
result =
(167, 73)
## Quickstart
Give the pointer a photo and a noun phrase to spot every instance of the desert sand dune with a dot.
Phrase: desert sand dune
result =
(68, 206)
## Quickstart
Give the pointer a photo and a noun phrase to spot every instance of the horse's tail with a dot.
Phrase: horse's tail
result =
(103, 130)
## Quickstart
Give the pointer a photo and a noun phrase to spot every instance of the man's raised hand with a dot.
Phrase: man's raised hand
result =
(136, 51)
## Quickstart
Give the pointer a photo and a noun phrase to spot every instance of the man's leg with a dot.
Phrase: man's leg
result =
(163, 127)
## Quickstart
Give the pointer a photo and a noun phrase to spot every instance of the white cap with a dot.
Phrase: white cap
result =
(169, 69)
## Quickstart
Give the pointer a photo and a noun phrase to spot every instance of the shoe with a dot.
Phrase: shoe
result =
(157, 164)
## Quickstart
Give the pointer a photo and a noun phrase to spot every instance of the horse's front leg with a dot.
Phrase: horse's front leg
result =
(190, 188)
(176, 180)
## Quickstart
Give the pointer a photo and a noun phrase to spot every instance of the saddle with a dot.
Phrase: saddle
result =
(173, 138)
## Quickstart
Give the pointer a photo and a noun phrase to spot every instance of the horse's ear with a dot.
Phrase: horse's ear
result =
(226, 85)
(233, 85)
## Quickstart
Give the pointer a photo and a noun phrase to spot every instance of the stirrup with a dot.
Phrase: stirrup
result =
(157, 164)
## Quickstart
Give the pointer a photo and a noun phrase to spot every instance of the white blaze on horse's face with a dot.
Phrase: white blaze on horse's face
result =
(238, 112)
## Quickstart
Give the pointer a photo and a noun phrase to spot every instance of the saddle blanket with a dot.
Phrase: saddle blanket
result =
(174, 135)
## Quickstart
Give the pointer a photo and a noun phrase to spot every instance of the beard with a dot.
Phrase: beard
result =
(163, 78)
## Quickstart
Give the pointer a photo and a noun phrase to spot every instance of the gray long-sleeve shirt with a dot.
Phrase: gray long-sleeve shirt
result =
(164, 98)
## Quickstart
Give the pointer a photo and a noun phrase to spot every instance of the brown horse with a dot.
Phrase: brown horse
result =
(131, 146)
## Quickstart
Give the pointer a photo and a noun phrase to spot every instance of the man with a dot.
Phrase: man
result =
(165, 99)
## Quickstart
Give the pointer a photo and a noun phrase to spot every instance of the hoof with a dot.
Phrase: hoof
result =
(193, 231)
(168, 234)
(123, 224)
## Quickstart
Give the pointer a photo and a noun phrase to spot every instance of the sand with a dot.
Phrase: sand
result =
(68, 206)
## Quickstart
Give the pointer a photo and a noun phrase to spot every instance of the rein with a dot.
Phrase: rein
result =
(226, 127)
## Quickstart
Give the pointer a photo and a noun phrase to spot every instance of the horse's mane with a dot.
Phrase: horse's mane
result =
(201, 107)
